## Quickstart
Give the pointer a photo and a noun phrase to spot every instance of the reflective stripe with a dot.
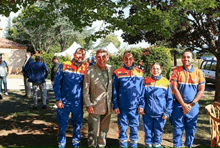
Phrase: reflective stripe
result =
(61, 144)
(75, 142)
(133, 142)
(123, 141)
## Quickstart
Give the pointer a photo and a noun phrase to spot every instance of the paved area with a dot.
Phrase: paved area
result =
(18, 84)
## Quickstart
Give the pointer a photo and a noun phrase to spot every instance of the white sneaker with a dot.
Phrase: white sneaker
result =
(6, 93)
(55, 106)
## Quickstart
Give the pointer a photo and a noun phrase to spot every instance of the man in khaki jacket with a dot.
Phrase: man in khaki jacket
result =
(97, 94)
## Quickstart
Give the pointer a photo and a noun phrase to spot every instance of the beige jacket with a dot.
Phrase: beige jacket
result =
(95, 91)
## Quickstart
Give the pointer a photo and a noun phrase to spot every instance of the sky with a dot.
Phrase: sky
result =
(97, 25)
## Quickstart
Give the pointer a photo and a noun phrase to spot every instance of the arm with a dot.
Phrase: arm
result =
(46, 70)
(169, 98)
(201, 88)
(200, 93)
(115, 94)
(86, 92)
(186, 107)
(142, 101)
(7, 70)
(174, 82)
(57, 83)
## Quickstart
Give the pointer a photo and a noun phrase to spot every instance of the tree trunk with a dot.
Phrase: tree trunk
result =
(217, 79)
(174, 58)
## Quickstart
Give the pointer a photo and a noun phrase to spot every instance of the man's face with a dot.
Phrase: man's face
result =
(187, 59)
(55, 61)
(79, 56)
(128, 59)
(102, 59)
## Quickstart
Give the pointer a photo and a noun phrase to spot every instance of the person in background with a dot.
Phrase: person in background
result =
(54, 71)
(37, 73)
(93, 62)
(188, 85)
(128, 99)
(140, 65)
(27, 84)
(4, 70)
(68, 88)
(98, 98)
(158, 105)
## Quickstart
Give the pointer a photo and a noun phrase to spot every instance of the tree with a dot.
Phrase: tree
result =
(181, 23)
(107, 40)
(43, 28)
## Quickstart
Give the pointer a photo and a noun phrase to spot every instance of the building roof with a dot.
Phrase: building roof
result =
(5, 43)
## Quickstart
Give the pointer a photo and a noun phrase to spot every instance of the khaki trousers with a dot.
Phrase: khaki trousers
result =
(96, 122)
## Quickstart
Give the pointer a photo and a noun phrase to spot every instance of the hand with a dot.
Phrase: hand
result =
(164, 117)
(186, 108)
(59, 104)
(90, 110)
(141, 111)
(117, 111)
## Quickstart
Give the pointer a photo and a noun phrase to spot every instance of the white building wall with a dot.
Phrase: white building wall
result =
(15, 59)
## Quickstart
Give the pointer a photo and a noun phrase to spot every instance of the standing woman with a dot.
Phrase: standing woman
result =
(158, 105)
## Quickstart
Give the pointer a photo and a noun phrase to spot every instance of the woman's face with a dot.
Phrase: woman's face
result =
(156, 70)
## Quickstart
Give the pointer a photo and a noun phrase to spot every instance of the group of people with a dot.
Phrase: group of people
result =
(35, 73)
(103, 89)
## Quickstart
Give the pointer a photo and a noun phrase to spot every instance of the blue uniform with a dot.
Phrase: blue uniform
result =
(127, 97)
(188, 82)
(68, 85)
(158, 102)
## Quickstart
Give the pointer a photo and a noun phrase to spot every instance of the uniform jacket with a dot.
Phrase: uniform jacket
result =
(95, 91)
(188, 82)
(158, 96)
(25, 67)
(68, 83)
(37, 72)
(128, 88)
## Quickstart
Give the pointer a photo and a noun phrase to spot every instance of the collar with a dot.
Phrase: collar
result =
(129, 68)
(191, 70)
(74, 63)
(156, 77)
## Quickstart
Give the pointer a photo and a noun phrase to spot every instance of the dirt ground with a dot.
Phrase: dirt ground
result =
(22, 126)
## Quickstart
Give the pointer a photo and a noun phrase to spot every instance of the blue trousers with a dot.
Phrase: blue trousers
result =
(183, 122)
(153, 126)
(63, 119)
(4, 80)
(128, 118)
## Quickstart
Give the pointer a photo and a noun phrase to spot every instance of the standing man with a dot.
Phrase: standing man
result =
(4, 69)
(128, 99)
(54, 69)
(98, 98)
(68, 88)
(27, 84)
(188, 86)
(37, 73)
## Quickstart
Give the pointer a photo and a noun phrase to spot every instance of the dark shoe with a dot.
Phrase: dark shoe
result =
(44, 107)
(1, 97)
(35, 108)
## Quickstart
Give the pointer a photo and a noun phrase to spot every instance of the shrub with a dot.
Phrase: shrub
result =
(157, 54)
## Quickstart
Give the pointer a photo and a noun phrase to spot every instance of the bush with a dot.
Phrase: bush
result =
(157, 54)
(48, 60)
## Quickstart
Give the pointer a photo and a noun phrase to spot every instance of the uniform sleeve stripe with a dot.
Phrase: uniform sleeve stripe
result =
(202, 83)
